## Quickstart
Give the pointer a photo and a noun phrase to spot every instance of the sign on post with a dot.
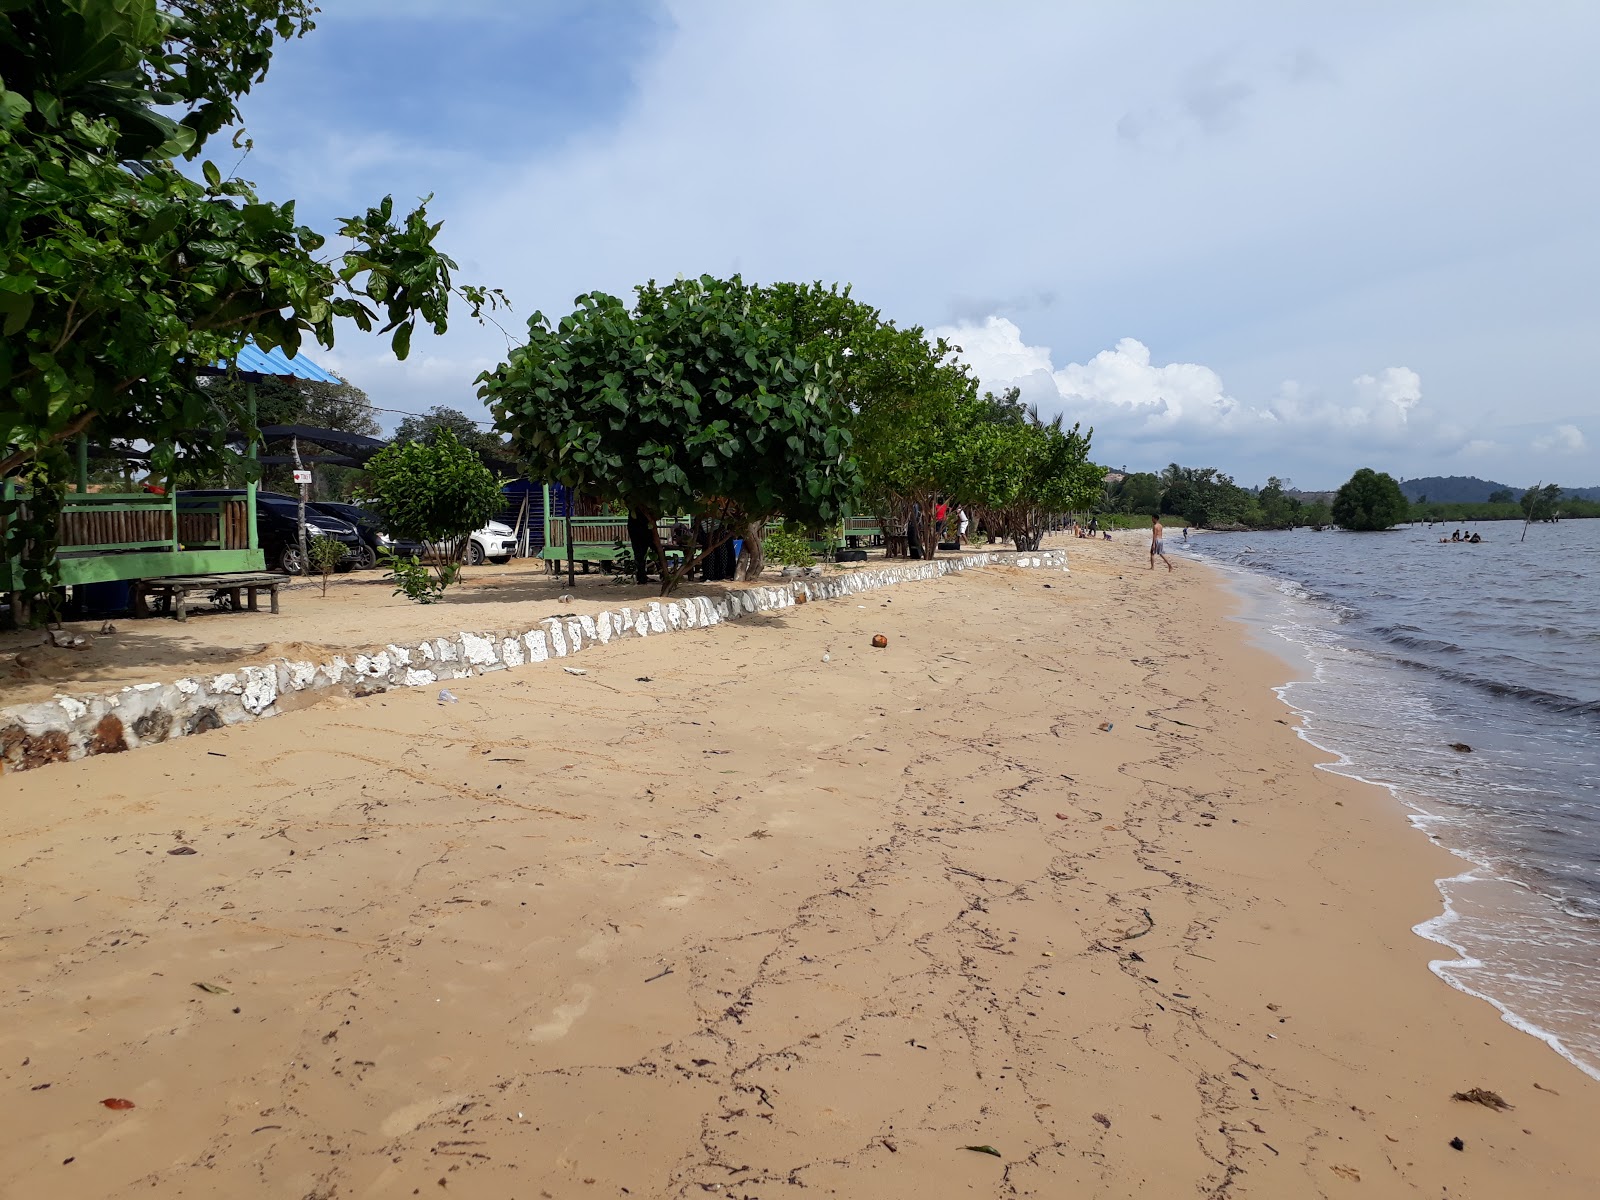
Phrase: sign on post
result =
(302, 476)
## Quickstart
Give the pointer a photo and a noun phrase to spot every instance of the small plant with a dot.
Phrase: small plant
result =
(416, 580)
(436, 494)
(787, 547)
(622, 562)
(323, 555)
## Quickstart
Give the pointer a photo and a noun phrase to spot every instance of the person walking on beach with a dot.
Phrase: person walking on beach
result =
(961, 525)
(1158, 544)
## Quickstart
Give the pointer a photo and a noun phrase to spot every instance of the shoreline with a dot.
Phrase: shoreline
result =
(723, 913)
(1486, 887)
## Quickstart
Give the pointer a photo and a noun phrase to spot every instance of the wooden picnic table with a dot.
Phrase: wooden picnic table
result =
(174, 590)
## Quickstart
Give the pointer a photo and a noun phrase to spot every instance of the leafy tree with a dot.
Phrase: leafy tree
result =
(120, 276)
(1018, 470)
(1137, 493)
(425, 427)
(1369, 500)
(1539, 503)
(436, 494)
(694, 400)
(1499, 496)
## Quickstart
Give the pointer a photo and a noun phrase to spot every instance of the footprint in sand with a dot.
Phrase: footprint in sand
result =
(564, 1017)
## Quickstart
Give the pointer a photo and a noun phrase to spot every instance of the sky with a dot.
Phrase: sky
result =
(1275, 237)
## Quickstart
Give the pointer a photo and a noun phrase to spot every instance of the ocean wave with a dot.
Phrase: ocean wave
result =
(1553, 701)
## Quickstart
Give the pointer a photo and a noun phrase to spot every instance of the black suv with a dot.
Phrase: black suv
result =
(374, 540)
(278, 527)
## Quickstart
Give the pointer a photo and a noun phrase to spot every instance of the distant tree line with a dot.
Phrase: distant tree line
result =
(1208, 498)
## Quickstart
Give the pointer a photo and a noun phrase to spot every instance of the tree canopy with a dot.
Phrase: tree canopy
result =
(695, 400)
(121, 276)
(1370, 500)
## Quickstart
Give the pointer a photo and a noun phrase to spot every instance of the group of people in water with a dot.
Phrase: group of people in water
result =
(1460, 536)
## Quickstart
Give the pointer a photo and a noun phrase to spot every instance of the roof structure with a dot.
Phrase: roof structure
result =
(258, 363)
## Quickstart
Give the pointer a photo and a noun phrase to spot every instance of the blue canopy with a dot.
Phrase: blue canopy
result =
(253, 360)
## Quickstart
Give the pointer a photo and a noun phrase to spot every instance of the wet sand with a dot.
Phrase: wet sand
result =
(721, 917)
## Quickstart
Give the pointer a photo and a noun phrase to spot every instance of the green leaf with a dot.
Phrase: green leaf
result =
(984, 1150)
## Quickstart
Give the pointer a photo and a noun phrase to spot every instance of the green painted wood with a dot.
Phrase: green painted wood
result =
(149, 564)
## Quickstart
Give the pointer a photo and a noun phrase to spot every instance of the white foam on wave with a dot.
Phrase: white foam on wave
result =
(1312, 642)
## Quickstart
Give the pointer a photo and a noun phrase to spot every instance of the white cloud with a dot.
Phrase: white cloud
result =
(1564, 439)
(1137, 404)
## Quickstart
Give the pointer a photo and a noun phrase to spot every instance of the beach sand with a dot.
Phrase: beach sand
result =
(721, 917)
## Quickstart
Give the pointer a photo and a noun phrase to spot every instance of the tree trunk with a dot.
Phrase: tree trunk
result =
(753, 560)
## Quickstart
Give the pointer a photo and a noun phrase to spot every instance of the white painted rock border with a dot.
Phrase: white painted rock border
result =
(71, 727)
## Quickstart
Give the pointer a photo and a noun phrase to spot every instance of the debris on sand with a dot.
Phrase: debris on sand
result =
(984, 1150)
(1484, 1097)
(1457, 1144)
(1461, 747)
(879, 640)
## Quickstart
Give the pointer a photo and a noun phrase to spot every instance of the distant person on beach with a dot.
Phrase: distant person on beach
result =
(1158, 543)
(641, 538)
(1186, 533)
(941, 515)
(961, 525)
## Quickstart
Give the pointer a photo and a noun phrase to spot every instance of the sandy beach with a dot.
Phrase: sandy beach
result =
(761, 909)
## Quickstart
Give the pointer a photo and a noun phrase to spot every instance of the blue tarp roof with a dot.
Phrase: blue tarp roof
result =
(256, 361)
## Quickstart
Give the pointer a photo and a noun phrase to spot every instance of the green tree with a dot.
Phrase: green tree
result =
(121, 276)
(1369, 500)
(425, 427)
(436, 493)
(1137, 493)
(1498, 496)
(695, 400)
(1539, 503)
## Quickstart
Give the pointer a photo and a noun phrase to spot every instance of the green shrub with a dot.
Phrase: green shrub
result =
(786, 547)
(436, 493)
(420, 581)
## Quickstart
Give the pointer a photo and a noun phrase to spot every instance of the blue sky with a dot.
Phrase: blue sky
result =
(1277, 237)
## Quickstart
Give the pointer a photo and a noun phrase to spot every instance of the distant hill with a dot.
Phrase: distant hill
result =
(1454, 489)
(1469, 489)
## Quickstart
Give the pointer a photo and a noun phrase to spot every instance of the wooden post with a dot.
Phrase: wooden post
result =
(305, 558)
(571, 573)
(250, 484)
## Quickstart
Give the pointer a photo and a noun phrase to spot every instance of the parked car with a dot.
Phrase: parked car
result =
(374, 540)
(278, 527)
(496, 542)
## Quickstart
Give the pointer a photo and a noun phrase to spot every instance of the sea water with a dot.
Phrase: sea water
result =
(1406, 648)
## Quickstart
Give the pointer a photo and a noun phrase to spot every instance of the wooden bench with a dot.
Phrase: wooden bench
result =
(174, 591)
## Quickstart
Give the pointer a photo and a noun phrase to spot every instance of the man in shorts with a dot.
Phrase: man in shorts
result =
(1158, 544)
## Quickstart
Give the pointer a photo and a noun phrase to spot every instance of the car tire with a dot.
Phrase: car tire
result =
(500, 560)
(289, 560)
(475, 554)
(364, 559)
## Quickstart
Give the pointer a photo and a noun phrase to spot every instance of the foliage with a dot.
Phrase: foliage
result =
(694, 400)
(1539, 503)
(323, 555)
(427, 426)
(787, 547)
(281, 401)
(1018, 470)
(1502, 496)
(1138, 493)
(1369, 500)
(436, 494)
(623, 564)
(120, 276)
(419, 581)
